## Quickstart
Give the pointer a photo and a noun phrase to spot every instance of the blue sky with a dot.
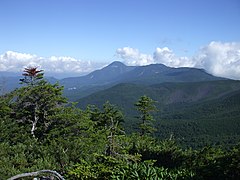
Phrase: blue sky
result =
(97, 31)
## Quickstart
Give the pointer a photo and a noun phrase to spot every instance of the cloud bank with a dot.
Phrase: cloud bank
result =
(217, 58)
(221, 59)
(16, 62)
(133, 57)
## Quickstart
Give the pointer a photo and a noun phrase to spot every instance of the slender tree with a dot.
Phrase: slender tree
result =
(145, 106)
(37, 101)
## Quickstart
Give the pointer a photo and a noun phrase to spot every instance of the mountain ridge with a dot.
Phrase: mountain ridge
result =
(117, 72)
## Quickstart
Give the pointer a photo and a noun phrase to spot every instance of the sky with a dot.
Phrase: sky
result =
(75, 37)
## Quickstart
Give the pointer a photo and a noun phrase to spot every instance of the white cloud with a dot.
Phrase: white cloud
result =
(220, 59)
(133, 57)
(167, 57)
(217, 58)
(12, 61)
(164, 55)
(15, 62)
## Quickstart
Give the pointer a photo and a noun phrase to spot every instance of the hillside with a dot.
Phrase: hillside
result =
(164, 93)
(194, 112)
(215, 121)
(158, 73)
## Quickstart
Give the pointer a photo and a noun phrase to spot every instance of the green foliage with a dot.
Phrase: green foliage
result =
(145, 105)
(106, 167)
(196, 113)
(103, 167)
(109, 122)
(103, 117)
(36, 102)
(23, 157)
(165, 153)
(146, 170)
(214, 163)
(5, 106)
(72, 137)
(9, 128)
(232, 162)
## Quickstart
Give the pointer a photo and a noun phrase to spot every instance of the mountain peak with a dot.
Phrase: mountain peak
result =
(116, 64)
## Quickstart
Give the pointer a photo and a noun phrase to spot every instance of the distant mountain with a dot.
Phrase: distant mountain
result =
(158, 73)
(8, 83)
(104, 76)
(117, 72)
(77, 87)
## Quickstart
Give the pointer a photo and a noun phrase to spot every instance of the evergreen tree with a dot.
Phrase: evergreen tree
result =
(37, 101)
(145, 106)
(109, 120)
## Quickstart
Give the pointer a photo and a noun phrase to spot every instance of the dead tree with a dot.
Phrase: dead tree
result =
(37, 173)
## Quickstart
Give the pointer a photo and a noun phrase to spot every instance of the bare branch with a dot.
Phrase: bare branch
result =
(31, 174)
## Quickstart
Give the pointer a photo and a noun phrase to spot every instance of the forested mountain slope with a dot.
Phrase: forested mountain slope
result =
(206, 112)
(164, 93)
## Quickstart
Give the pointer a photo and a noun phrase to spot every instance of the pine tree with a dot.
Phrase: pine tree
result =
(145, 106)
(35, 102)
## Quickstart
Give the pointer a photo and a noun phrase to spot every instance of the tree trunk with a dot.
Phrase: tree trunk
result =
(34, 122)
